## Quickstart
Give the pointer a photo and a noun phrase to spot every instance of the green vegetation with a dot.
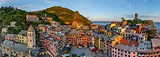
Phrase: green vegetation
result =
(12, 30)
(59, 14)
(9, 14)
(151, 34)
(74, 55)
(134, 22)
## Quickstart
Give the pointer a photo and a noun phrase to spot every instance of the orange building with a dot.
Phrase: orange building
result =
(50, 19)
(83, 40)
(72, 37)
(32, 18)
(116, 40)
(139, 29)
(75, 37)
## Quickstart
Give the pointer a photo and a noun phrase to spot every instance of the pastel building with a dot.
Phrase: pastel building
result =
(13, 24)
(50, 19)
(27, 37)
(77, 37)
(4, 30)
(52, 46)
(121, 50)
(83, 40)
(12, 37)
(22, 36)
(13, 49)
(155, 44)
(103, 45)
(43, 52)
(52, 42)
(31, 37)
(72, 36)
(116, 40)
(32, 18)
(113, 24)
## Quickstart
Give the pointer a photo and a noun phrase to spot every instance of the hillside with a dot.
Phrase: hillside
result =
(67, 15)
(10, 14)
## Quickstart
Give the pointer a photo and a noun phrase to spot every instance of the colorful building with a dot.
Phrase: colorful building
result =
(27, 37)
(12, 37)
(72, 37)
(116, 40)
(32, 18)
(31, 37)
(22, 36)
(13, 49)
(84, 40)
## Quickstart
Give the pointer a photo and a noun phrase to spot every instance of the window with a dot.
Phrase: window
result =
(16, 54)
(125, 51)
(133, 52)
(7, 49)
(118, 49)
(128, 52)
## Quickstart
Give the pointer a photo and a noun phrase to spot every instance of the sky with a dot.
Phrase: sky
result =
(96, 10)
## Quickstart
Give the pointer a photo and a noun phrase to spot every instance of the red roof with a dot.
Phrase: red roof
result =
(126, 42)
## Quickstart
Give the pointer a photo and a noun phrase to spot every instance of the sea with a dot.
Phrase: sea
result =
(157, 24)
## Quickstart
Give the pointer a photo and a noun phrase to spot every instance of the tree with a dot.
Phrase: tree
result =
(74, 55)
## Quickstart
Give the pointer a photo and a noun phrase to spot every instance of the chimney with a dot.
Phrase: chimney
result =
(136, 15)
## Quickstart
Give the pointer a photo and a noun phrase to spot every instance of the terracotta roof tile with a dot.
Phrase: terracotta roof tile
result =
(126, 42)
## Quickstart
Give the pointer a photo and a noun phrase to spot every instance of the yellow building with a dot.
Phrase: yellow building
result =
(123, 30)
(31, 37)
(113, 25)
(22, 36)
(116, 40)
(42, 28)
(27, 37)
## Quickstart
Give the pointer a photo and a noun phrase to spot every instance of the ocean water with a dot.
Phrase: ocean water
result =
(157, 24)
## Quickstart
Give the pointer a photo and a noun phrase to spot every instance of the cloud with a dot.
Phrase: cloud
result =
(145, 17)
(3, 2)
(129, 4)
(51, 2)
(30, 7)
(142, 16)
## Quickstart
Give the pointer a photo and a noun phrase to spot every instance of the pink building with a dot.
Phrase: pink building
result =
(48, 43)
(130, 49)
(121, 50)
(52, 48)
(12, 37)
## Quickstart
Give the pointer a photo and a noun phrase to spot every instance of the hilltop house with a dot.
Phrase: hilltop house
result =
(32, 18)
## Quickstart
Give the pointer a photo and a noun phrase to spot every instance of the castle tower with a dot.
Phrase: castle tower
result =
(31, 37)
(136, 16)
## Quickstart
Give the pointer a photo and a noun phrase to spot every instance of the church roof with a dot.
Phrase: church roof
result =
(31, 29)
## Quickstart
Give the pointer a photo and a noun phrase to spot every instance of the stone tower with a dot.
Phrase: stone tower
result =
(31, 37)
(136, 16)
